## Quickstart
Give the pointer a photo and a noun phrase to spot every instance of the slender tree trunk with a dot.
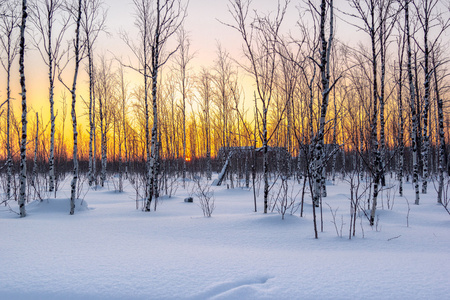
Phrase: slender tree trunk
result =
(319, 165)
(154, 142)
(374, 130)
(402, 125)
(51, 160)
(23, 144)
(265, 157)
(208, 146)
(382, 31)
(36, 141)
(441, 154)
(426, 98)
(412, 95)
(73, 184)
(101, 102)
(8, 134)
(91, 114)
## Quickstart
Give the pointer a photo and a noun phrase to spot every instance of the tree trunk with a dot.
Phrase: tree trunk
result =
(441, 154)
(374, 130)
(73, 184)
(36, 140)
(426, 99)
(412, 95)
(23, 144)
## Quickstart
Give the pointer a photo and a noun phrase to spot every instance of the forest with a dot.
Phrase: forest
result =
(299, 107)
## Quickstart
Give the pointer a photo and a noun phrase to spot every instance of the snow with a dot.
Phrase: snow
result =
(110, 250)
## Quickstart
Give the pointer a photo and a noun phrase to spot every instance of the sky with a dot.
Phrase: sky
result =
(203, 24)
(204, 27)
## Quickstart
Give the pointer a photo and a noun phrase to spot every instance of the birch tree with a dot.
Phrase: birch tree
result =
(412, 96)
(375, 25)
(104, 89)
(92, 23)
(441, 135)
(44, 17)
(76, 10)
(260, 42)
(400, 82)
(205, 91)
(429, 18)
(23, 143)
(9, 43)
(182, 60)
(324, 66)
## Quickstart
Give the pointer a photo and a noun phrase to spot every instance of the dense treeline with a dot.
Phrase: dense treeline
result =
(377, 105)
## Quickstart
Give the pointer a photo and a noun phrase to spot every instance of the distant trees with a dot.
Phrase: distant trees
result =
(44, 18)
(260, 43)
(10, 47)
(366, 107)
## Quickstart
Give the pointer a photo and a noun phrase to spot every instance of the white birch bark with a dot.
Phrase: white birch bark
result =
(400, 113)
(101, 102)
(374, 129)
(412, 95)
(44, 17)
(77, 50)
(167, 19)
(23, 144)
(441, 135)
(36, 141)
(319, 164)
(426, 98)
(91, 171)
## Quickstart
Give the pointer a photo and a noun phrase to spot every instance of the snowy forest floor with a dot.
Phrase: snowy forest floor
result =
(111, 250)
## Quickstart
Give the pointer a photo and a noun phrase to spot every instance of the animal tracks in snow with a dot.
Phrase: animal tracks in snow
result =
(237, 289)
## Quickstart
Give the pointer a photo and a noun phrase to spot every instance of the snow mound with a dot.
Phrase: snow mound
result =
(56, 206)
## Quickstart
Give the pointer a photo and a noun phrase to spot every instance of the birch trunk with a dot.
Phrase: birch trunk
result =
(77, 49)
(102, 137)
(91, 172)
(154, 142)
(319, 165)
(382, 31)
(8, 140)
(441, 154)
(51, 160)
(265, 157)
(23, 144)
(426, 99)
(376, 172)
(402, 125)
(412, 95)
(36, 140)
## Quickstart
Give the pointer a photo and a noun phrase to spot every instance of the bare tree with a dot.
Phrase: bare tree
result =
(9, 43)
(260, 42)
(92, 23)
(401, 40)
(44, 18)
(182, 60)
(376, 24)
(205, 91)
(105, 84)
(412, 96)
(23, 143)
(76, 10)
(429, 17)
(440, 113)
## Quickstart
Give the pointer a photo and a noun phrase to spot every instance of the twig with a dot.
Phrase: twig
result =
(393, 238)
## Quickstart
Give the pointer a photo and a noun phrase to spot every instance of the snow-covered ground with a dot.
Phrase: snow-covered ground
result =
(110, 250)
